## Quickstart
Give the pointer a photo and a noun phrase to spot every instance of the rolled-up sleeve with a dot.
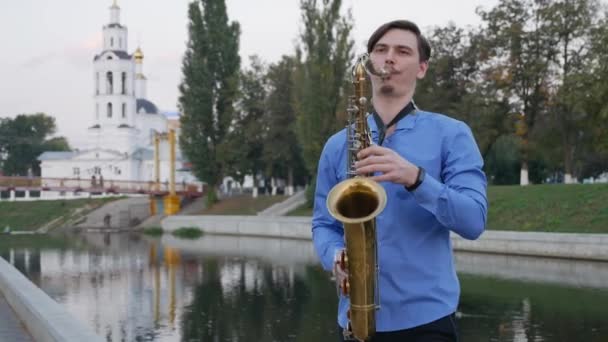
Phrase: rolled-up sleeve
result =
(459, 201)
(327, 232)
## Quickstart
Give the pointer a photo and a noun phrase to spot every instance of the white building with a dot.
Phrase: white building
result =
(120, 144)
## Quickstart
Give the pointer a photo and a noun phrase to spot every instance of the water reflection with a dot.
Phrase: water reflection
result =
(218, 288)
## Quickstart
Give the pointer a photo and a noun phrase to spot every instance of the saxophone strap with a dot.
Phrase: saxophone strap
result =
(411, 107)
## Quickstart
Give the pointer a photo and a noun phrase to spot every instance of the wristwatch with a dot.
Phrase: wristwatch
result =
(419, 179)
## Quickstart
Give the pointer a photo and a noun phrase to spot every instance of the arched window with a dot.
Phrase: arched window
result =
(112, 42)
(124, 110)
(96, 83)
(109, 109)
(120, 43)
(109, 83)
(123, 83)
(97, 111)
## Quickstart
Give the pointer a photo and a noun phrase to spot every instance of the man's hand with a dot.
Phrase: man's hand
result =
(339, 271)
(392, 167)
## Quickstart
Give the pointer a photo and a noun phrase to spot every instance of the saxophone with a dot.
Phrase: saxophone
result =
(356, 202)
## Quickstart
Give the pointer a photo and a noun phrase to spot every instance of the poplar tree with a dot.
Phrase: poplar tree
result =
(326, 51)
(210, 79)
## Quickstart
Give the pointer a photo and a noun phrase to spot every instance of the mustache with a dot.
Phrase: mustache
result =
(384, 71)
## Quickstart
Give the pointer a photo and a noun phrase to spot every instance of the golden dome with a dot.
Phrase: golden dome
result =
(138, 55)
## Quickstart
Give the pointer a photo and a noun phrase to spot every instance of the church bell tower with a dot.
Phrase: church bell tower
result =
(114, 113)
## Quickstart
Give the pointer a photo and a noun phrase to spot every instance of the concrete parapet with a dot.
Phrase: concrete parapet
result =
(45, 319)
(559, 245)
(282, 227)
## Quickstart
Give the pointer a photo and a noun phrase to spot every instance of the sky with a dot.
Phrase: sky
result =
(46, 64)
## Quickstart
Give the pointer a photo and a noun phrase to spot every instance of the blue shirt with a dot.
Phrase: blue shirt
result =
(417, 280)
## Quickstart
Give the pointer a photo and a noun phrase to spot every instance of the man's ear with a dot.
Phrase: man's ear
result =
(423, 67)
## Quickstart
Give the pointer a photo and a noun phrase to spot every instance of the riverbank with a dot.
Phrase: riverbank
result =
(560, 208)
(575, 208)
(543, 244)
(34, 215)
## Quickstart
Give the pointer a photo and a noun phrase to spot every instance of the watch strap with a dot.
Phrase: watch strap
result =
(419, 180)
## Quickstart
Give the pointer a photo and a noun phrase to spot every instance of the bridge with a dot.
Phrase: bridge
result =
(33, 184)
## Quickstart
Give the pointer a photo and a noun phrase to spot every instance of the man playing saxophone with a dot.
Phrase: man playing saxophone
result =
(431, 169)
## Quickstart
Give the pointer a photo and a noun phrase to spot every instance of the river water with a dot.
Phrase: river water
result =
(129, 287)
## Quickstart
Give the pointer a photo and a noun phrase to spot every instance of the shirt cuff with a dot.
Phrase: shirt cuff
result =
(428, 193)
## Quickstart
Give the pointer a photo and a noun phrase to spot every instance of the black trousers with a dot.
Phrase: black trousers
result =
(441, 330)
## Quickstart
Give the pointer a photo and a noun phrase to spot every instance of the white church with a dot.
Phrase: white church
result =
(120, 139)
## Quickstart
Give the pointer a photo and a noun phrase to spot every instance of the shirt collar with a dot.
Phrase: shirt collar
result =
(408, 122)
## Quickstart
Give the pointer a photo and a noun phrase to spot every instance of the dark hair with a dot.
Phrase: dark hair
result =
(424, 48)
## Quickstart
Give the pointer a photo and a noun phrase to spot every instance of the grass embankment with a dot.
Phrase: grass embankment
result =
(581, 208)
(36, 214)
(576, 208)
(243, 205)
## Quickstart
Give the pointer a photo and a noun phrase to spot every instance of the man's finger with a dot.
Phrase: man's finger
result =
(372, 150)
(385, 177)
(374, 168)
(374, 159)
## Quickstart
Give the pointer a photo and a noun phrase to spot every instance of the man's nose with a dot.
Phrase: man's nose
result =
(390, 57)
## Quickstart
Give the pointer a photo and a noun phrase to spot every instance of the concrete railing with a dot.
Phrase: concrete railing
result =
(45, 319)
(561, 245)
(281, 226)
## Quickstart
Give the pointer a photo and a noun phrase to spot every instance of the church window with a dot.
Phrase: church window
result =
(112, 42)
(76, 171)
(109, 110)
(97, 111)
(124, 110)
(109, 83)
(97, 83)
(123, 77)
(120, 43)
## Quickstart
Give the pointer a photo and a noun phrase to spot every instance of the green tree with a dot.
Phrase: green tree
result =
(520, 51)
(456, 85)
(570, 23)
(282, 153)
(23, 139)
(593, 155)
(245, 144)
(326, 51)
(207, 93)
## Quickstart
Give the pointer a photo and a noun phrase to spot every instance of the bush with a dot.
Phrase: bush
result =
(188, 232)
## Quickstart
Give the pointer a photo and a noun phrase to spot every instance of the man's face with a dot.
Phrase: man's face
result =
(397, 53)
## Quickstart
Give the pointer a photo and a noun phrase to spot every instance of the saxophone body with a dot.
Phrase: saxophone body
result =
(356, 202)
